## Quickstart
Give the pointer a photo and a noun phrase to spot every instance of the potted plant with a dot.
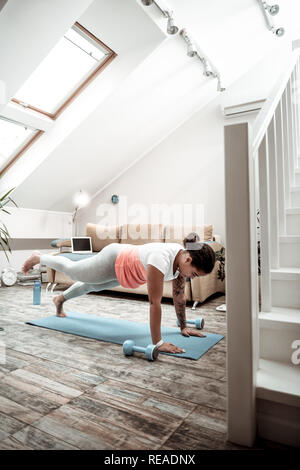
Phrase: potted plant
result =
(4, 234)
(220, 256)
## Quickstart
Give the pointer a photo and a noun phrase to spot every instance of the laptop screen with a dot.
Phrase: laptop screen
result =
(81, 244)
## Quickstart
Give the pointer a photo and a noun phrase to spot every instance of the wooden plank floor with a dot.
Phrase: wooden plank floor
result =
(60, 391)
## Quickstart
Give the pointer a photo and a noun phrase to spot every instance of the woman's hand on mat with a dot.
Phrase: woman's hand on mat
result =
(191, 332)
(170, 348)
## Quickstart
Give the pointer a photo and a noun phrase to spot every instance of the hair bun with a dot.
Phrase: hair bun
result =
(192, 237)
(203, 256)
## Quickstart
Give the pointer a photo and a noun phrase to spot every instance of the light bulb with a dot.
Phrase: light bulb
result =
(81, 199)
(273, 9)
(172, 29)
(279, 32)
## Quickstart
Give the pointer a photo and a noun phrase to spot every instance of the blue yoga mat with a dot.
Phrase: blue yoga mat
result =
(114, 330)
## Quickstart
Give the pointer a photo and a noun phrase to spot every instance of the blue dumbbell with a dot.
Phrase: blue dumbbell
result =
(199, 323)
(151, 351)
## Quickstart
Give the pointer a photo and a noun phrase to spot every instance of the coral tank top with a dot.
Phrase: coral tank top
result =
(129, 269)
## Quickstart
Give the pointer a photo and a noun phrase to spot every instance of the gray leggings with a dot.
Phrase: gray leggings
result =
(92, 274)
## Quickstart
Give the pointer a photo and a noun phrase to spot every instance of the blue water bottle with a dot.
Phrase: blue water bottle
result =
(37, 288)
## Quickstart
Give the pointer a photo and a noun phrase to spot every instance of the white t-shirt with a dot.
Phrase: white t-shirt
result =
(160, 255)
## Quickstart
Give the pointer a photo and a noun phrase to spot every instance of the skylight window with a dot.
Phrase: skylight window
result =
(75, 60)
(15, 138)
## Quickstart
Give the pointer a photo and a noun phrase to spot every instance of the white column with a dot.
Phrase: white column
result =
(273, 194)
(265, 256)
(291, 133)
(295, 113)
(297, 107)
(285, 121)
(280, 170)
(241, 284)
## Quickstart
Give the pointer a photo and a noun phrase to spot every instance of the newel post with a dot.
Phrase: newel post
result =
(241, 284)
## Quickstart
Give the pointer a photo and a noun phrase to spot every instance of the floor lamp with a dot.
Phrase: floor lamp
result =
(81, 199)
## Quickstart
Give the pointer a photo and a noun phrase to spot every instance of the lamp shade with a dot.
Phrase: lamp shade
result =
(81, 199)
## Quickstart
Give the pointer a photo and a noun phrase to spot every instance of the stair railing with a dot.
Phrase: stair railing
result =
(259, 171)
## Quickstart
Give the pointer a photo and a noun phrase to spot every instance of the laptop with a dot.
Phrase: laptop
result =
(81, 245)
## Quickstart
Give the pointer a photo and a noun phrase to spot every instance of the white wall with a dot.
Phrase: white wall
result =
(17, 257)
(25, 225)
(258, 82)
(188, 165)
(186, 168)
(33, 223)
(144, 94)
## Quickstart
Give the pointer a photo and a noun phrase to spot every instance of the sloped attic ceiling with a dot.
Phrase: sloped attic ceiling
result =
(28, 31)
(161, 88)
(133, 36)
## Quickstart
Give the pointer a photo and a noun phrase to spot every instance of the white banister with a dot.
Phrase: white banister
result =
(291, 133)
(295, 101)
(273, 196)
(262, 122)
(295, 114)
(259, 170)
(286, 149)
(280, 171)
(264, 192)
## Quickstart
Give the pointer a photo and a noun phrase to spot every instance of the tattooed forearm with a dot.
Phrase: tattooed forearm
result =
(179, 286)
(180, 312)
(179, 299)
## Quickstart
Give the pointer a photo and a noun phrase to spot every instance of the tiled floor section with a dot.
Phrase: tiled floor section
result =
(59, 391)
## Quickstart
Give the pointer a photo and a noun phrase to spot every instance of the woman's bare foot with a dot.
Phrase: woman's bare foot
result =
(59, 300)
(31, 261)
